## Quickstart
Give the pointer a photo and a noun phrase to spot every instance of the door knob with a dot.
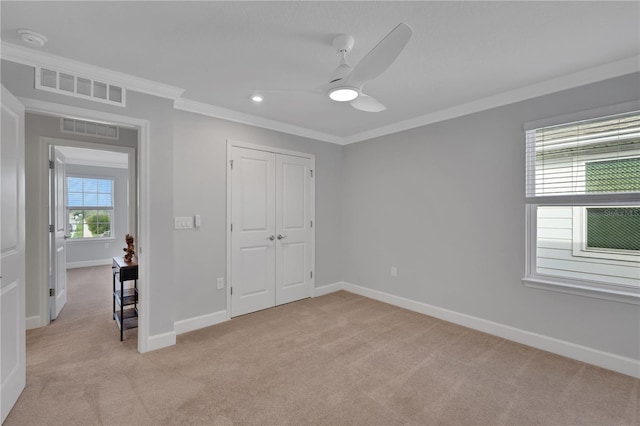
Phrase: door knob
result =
(281, 236)
(66, 237)
(271, 238)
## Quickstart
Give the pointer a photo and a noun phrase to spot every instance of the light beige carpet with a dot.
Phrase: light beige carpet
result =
(339, 359)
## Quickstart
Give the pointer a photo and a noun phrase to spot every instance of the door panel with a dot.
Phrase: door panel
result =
(294, 257)
(255, 206)
(293, 195)
(254, 272)
(253, 220)
(293, 228)
(58, 262)
(12, 265)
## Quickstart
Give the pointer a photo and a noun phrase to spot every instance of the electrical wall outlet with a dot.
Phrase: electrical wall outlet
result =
(197, 221)
(220, 283)
(107, 245)
(394, 271)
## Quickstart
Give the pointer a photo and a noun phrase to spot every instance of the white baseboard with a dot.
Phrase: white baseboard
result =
(33, 322)
(159, 341)
(585, 354)
(202, 321)
(88, 263)
(326, 289)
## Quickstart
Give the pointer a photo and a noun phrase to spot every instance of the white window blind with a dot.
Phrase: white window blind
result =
(558, 160)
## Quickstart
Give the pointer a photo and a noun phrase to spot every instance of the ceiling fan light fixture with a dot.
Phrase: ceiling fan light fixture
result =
(343, 94)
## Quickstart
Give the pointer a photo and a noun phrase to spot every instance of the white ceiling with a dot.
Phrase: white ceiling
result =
(461, 53)
(94, 157)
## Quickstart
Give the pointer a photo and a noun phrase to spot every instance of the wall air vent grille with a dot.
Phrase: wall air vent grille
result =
(69, 125)
(79, 87)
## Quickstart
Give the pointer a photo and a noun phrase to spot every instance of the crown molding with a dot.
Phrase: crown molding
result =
(253, 120)
(30, 57)
(581, 78)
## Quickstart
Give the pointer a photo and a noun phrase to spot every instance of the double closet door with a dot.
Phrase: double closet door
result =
(271, 229)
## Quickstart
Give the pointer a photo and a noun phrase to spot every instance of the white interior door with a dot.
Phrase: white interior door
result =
(58, 235)
(12, 266)
(293, 228)
(271, 214)
(253, 230)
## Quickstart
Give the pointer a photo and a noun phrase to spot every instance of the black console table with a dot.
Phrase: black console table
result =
(125, 296)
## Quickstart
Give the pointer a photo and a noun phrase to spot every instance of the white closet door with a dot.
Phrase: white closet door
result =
(253, 243)
(293, 228)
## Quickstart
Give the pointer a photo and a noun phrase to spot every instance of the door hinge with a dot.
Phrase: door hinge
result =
(232, 291)
(52, 292)
(51, 164)
(51, 228)
(312, 224)
(311, 274)
(232, 227)
(231, 163)
(311, 173)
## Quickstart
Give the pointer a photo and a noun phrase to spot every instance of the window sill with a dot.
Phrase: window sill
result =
(631, 296)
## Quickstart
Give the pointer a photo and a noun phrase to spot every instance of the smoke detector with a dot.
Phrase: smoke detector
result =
(33, 38)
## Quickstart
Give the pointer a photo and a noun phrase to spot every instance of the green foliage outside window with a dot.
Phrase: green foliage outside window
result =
(99, 224)
(89, 223)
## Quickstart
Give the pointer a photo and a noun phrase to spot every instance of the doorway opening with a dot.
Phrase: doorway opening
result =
(39, 138)
(92, 196)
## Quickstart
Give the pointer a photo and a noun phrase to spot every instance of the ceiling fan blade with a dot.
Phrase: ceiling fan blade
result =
(382, 55)
(367, 103)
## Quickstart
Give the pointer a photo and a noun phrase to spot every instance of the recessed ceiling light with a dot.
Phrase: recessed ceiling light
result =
(32, 37)
(343, 94)
(257, 98)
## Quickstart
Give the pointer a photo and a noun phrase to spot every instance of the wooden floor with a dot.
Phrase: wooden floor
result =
(339, 359)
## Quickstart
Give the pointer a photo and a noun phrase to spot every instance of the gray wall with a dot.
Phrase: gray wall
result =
(91, 250)
(200, 188)
(445, 204)
(19, 80)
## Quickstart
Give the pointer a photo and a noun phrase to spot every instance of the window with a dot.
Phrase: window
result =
(89, 207)
(583, 207)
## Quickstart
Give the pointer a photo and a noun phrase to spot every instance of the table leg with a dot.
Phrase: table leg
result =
(121, 310)
(113, 296)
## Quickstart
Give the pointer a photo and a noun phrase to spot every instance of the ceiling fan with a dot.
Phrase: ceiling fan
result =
(347, 82)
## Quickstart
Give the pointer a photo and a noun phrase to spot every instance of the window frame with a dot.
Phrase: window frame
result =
(590, 288)
(111, 209)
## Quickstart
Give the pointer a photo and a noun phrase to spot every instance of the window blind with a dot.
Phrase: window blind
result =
(89, 192)
(586, 159)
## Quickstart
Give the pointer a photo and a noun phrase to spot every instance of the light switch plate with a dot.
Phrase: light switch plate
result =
(220, 283)
(184, 222)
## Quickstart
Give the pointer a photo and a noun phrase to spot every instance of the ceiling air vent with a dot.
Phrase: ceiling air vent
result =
(79, 87)
(69, 125)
